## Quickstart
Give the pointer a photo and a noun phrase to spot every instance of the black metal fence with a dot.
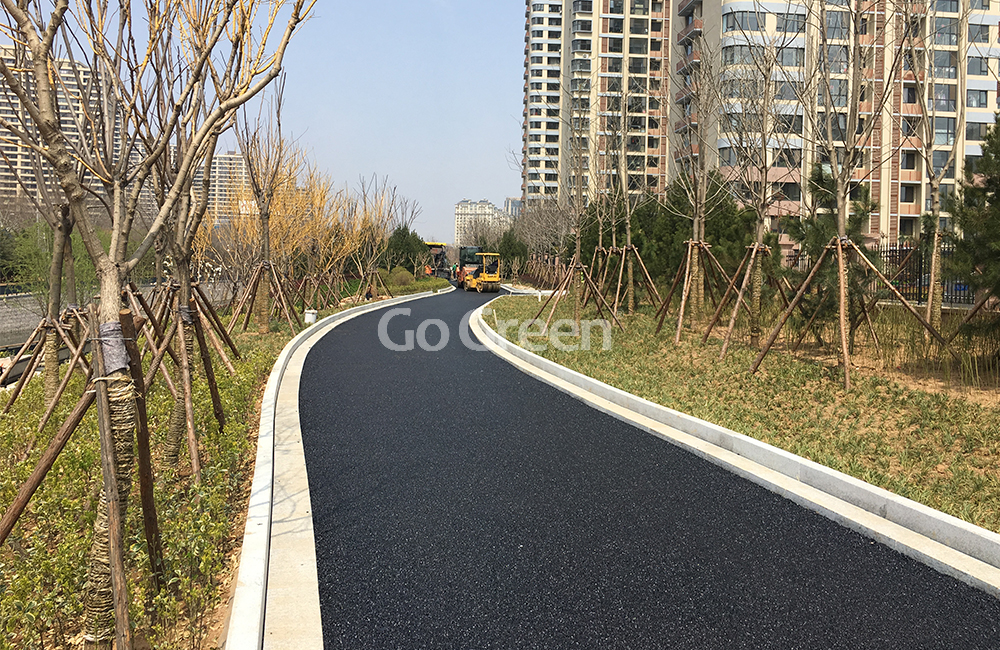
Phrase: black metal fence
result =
(912, 270)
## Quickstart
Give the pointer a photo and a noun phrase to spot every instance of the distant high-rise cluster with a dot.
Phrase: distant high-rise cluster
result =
(616, 98)
(475, 219)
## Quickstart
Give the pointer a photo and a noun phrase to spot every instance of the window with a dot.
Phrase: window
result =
(639, 26)
(945, 64)
(617, 7)
(640, 7)
(789, 192)
(537, 47)
(979, 34)
(581, 45)
(979, 5)
(944, 130)
(976, 98)
(908, 160)
(552, 177)
(637, 65)
(788, 124)
(836, 58)
(614, 84)
(909, 94)
(906, 227)
(837, 122)
(580, 65)
(636, 123)
(653, 143)
(584, 6)
(582, 25)
(939, 160)
(795, 23)
(908, 194)
(638, 105)
(838, 93)
(976, 131)
(536, 85)
(787, 158)
(554, 87)
(787, 90)
(536, 33)
(727, 157)
(740, 54)
(950, 6)
(910, 126)
(945, 96)
(579, 85)
(614, 65)
(837, 24)
(552, 74)
(537, 59)
(614, 45)
(972, 163)
(555, 22)
(638, 46)
(946, 31)
(978, 66)
(791, 57)
(538, 20)
(637, 84)
(742, 21)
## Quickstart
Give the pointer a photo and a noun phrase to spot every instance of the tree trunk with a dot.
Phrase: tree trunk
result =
(935, 290)
(757, 287)
(262, 303)
(51, 350)
(177, 425)
(99, 625)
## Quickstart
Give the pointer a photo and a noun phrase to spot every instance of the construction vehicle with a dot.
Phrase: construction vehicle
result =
(468, 262)
(439, 259)
(486, 278)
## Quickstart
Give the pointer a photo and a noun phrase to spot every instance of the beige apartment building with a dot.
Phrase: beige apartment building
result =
(917, 82)
(596, 78)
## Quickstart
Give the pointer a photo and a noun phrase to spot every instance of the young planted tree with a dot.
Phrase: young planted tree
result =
(934, 62)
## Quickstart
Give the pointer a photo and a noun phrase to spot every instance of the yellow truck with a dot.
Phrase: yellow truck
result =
(486, 277)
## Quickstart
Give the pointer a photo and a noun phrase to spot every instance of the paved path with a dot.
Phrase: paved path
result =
(513, 516)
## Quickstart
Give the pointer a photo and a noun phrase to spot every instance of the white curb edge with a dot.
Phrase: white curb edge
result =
(246, 617)
(943, 542)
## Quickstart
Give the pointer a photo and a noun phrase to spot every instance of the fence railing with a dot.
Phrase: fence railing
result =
(911, 268)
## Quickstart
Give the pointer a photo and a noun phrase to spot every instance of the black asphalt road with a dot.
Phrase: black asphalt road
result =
(459, 503)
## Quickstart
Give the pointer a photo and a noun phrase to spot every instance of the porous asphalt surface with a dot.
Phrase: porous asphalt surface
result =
(458, 503)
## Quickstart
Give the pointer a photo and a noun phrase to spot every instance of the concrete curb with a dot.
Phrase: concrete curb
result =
(945, 543)
(246, 618)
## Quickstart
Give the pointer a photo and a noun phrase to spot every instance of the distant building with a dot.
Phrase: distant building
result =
(229, 180)
(512, 206)
(474, 218)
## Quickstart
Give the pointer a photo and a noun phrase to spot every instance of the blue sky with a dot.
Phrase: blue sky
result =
(427, 93)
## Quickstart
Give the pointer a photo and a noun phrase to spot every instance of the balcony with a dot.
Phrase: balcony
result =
(685, 93)
(583, 6)
(685, 7)
(689, 32)
(690, 151)
(689, 122)
(689, 62)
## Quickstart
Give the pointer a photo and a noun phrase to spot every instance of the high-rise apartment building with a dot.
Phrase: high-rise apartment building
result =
(596, 90)
(479, 218)
(228, 189)
(910, 86)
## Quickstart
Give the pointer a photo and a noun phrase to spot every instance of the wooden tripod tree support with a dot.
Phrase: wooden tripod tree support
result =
(709, 261)
(34, 361)
(264, 272)
(151, 525)
(370, 279)
(575, 267)
(841, 246)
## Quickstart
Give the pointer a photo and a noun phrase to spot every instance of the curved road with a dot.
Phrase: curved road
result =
(458, 503)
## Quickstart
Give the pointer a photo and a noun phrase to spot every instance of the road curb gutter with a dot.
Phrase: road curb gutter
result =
(943, 542)
(280, 470)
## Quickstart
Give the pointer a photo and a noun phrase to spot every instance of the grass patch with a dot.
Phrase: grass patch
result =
(936, 449)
